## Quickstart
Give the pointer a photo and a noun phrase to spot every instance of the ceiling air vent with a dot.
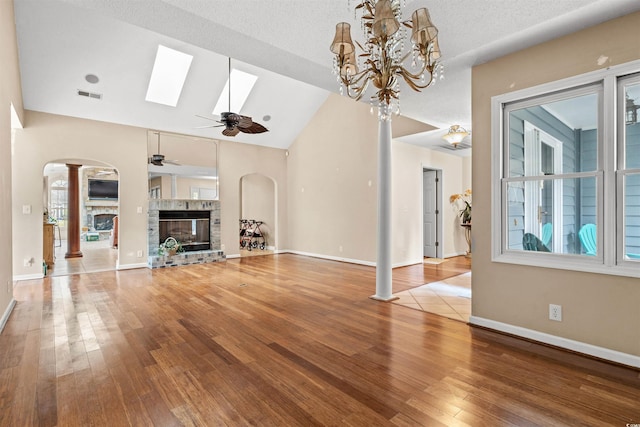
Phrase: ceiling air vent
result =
(89, 94)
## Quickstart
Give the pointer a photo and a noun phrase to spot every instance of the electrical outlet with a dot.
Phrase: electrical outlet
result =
(8, 286)
(139, 254)
(555, 312)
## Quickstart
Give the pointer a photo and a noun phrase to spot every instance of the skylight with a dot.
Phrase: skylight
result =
(167, 78)
(241, 85)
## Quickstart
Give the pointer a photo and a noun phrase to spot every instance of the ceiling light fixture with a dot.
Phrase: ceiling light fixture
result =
(381, 64)
(382, 59)
(455, 135)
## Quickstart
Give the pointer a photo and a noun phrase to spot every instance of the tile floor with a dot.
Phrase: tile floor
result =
(449, 298)
(96, 256)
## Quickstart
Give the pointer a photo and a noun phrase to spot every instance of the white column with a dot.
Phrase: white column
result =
(383, 260)
(174, 186)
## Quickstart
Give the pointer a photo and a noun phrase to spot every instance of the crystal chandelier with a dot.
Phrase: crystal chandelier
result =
(382, 57)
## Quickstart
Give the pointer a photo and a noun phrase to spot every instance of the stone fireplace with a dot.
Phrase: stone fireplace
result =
(103, 222)
(193, 223)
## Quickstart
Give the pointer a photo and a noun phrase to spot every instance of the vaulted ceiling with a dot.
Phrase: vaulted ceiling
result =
(284, 42)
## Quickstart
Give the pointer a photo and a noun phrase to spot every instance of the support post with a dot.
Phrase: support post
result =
(383, 260)
(73, 216)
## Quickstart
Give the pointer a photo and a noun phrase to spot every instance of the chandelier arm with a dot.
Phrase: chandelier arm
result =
(355, 79)
(354, 90)
(412, 84)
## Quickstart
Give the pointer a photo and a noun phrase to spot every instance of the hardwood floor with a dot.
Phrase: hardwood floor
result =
(280, 340)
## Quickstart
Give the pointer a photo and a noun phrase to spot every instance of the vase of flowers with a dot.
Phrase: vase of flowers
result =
(462, 202)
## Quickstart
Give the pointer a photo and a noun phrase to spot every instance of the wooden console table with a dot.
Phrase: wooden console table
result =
(48, 243)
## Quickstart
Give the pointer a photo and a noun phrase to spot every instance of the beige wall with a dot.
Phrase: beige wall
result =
(333, 188)
(236, 161)
(259, 203)
(408, 163)
(10, 93)
(332, 182)
(598, 309)
(185, 184)
(50, 138)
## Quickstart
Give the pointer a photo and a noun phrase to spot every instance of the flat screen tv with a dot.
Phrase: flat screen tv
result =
(103, 189)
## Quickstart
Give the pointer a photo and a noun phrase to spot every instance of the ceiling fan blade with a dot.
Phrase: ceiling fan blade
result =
(207, 118)
(244, 121)
(208, 126)
(254, 128)
(172, 162)
(230, 131)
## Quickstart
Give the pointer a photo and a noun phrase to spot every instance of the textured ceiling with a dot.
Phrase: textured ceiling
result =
(284, 42)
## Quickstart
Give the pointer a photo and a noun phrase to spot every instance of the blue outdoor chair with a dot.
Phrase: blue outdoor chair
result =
(587, 235)
(530, 242)
(547, 232)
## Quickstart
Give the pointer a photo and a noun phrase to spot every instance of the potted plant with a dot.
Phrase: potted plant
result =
(462, 201)
(170, 247)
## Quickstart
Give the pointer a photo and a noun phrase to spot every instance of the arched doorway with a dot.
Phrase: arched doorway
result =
(98, 187)
(258, 215)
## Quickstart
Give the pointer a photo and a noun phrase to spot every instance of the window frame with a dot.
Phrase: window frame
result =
(621, 168)
(608, 176)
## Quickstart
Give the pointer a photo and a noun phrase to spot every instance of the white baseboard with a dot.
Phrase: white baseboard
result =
(334, 258)
(577, 346)
(131, 266)
(7, 313)
(451, 255)
(408, 263)
(28, 277)
(232, 256)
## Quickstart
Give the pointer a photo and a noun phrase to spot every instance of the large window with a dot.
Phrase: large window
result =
(567, 182)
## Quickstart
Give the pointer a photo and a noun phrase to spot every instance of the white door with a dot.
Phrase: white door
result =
(430, 213)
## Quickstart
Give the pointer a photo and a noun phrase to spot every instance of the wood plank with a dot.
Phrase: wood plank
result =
(301, 343)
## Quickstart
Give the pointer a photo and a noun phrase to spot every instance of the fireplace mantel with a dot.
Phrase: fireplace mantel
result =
(194, 257)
